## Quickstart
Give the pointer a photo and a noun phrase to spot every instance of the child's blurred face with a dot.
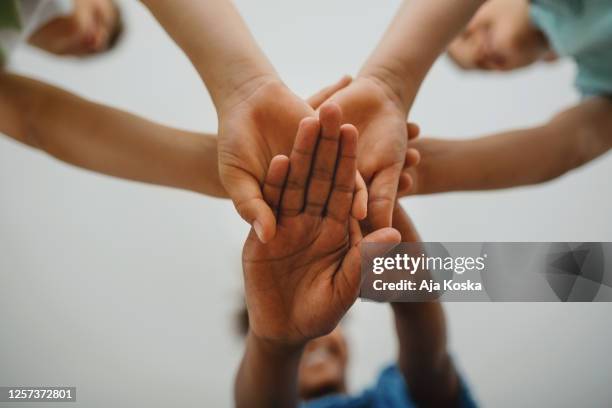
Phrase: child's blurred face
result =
(90, 29)
(322, 369)
(499, 37)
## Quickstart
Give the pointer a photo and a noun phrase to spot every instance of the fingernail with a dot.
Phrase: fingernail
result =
(258, 230)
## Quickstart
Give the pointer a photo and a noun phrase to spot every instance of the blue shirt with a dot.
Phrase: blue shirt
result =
(390, 391)
(582, 30)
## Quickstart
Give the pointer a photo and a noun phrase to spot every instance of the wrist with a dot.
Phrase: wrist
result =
(395, 81)
(268, 375)
(241, 85)
(204, 166)
(276, 349)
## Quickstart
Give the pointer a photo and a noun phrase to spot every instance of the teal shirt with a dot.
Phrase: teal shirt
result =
(390, 391)
(582, 30)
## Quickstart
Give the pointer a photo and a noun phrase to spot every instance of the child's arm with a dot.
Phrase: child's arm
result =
(301, 283)
(423, 357)
(106, 140)
(420, 32)
(112, 142)
(523, 157)
(258, 114)
(218, 43)
(380, 98)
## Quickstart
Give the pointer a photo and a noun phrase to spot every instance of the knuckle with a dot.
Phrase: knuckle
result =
(290, 212)
(321, 173)
(293, 184)
(344, 188)
(314, 206)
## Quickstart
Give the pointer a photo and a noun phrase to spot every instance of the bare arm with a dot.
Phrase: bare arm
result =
(258, 114)
(110, 141)
(522, 157)
(380, 98)
(106, 140)
(268, 374)
(295, 290)
(420, 32)
(423, 358)
(218, 43)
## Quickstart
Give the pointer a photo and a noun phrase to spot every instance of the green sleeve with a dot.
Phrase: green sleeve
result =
(9, 15)
(9, 20)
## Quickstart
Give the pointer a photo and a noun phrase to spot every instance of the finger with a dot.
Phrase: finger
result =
(382, 195)
(343, 190)
(348, 278)
(360, 200)
(413, 158)
(246, 193)
(382, 236)
(324, 165)
(292, 202)
(406, 183)
(404, 225)
(377, 243)
(413, 130)
(317, 99)
(355, 234)
(275, 181)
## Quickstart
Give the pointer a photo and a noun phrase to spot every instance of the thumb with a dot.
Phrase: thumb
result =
(384, 237)
(248, 199)
(413, 130)
(350, 279)
(316, 100)
(382, 195)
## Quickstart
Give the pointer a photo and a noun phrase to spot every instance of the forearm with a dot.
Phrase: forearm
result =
(420, 32)
(421, 333)
(218, 43)
(515, 158)
(106, 140)
(267, 376)
(423, 358)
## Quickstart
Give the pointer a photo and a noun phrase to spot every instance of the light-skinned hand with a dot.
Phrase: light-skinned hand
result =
(255, 126)
(381, 121)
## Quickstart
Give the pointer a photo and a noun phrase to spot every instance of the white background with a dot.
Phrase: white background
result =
(129, 291)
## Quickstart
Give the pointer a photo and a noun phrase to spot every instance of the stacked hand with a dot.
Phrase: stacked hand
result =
(381, 121)
(260, 124)
(300, 283)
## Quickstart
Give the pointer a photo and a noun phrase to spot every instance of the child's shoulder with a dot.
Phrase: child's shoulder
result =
(581, 30)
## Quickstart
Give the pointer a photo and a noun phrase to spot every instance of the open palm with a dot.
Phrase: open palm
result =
(300, 284)
(383, 140)
(251, 132)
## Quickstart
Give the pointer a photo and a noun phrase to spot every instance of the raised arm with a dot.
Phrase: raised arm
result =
(218, 43)
(521, 157)
(423, 357)
(106, 140)
(300, 284)
(420, 32)
(379, 100)
(112, 142)
(258, 115)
